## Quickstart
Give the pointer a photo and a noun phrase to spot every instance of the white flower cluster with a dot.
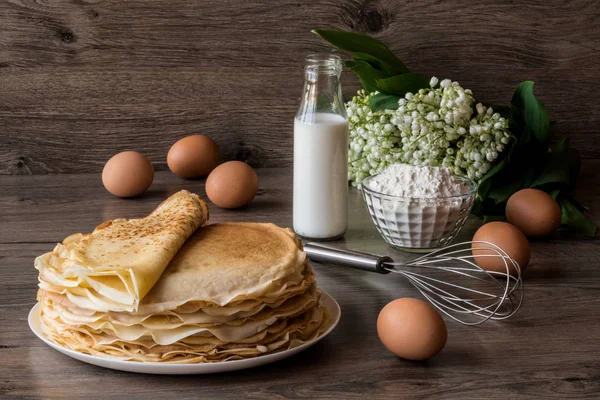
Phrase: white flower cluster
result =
(431, 120)
(433, 127)
(373, 144)
(476, 152)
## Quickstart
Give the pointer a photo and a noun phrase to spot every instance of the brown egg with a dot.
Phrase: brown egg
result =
(127, 174)
(193, 156)
(411, 329)
(534, 212)
(506, 236)
(232, 184)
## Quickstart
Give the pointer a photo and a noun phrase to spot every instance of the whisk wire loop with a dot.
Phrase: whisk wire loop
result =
(490, 294)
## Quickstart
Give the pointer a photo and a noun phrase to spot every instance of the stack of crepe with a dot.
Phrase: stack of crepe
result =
(152, 290)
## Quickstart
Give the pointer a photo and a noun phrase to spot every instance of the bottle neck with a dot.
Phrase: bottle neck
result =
(322, 92)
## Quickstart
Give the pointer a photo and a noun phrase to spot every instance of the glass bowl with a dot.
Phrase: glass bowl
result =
(419, 224)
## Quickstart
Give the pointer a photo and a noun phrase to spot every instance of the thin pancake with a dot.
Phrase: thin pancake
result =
(283, 335)
(118, 264)
(165, 331)
(228, 262)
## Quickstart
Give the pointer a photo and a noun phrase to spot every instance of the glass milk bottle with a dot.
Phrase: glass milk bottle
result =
(321, 152)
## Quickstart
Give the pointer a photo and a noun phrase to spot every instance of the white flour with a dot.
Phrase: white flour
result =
(424, 216)
(417, 182)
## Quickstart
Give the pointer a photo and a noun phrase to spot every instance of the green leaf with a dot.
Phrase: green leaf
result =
(561, 166)
(501, 190)
(530, 113)
(518, 129)
(561, 146)
(554, 194)
(402, 84)
(376, 63)
(324, 102)
(486, 181)
(573, 217)
(366, 73)
(361, 45)
(382, 101)
(574, 160)
(492, 218)
(484, 207)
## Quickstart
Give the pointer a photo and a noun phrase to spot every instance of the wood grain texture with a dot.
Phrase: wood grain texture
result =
(82, 80)
(548, 350)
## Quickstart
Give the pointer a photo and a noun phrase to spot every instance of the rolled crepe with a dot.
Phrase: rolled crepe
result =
(113, 268)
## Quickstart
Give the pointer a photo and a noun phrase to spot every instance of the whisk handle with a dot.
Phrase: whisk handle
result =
(353, 259)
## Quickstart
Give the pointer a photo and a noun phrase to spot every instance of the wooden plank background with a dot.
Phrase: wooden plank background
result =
(81, 80)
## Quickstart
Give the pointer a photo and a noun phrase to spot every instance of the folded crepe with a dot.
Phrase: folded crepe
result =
(234, 290)
(114, 267)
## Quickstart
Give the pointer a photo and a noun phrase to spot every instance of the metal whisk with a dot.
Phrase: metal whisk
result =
(488, 295)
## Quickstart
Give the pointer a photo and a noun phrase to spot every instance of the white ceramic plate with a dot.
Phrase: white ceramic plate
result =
(178, 369)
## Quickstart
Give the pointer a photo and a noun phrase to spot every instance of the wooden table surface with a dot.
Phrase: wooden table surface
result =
(550, 349)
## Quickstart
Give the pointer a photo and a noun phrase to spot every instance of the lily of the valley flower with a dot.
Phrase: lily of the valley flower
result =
(434, 126)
